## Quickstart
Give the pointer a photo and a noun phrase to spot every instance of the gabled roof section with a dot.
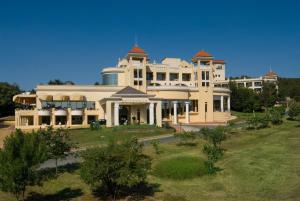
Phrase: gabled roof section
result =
(129, 91)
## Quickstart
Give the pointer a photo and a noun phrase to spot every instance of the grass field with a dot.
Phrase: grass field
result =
(257, 165)
(88, 138)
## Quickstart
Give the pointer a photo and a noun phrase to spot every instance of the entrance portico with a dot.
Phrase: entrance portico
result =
(132, 106)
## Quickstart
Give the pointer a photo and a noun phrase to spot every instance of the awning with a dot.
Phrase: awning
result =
(46, 97)
(77, 97)
(25, 98)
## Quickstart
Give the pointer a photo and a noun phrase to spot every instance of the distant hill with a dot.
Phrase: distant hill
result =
(289, 87)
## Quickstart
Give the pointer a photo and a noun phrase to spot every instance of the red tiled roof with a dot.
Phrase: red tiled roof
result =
(137, 50)
(202, 53)
(271, 74)
(219, 62)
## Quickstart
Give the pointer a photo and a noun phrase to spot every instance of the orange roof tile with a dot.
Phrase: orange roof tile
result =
(271, 74)
(219, 62)
(202, 53)
(137, 50)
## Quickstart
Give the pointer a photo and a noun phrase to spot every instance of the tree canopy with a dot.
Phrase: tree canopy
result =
(289, 87)
(7, 91)
(19, 159)
(244, 99)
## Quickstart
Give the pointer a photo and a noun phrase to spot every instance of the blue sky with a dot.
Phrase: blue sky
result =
(73, 40)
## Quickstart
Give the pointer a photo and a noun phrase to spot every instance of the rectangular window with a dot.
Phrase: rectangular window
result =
(249, 84)
(257, 84)
(138, 73)
(149, 76)
(203, 75)
(137, 83)
(219, 67)
(186, 77)
(207, 75)
(174, 76)
(205, 107)
(161, 76)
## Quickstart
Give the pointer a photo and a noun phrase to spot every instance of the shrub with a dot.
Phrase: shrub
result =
(181, 167)
(213, 154)
(214, 135)
(186, 138)
(276, 117)
(294, 109)
(95, 125)
(256, 122)
(155, 145)
(115, 167)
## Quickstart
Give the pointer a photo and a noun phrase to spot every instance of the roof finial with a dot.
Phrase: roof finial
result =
(270, 68)
(135, 40)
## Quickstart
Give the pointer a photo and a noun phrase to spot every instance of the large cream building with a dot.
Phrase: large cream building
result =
(134, 91)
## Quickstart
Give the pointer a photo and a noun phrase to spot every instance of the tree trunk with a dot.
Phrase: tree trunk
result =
(56, 166)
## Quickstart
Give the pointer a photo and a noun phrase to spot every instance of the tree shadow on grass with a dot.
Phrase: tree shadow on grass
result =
(49, 173)
(139, 192)
(64, 194)
(188, 144)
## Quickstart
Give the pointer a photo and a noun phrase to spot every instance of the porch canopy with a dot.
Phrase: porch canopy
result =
(132, 97)
(25, 98)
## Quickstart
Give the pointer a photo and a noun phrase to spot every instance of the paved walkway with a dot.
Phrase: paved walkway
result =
(74, 158)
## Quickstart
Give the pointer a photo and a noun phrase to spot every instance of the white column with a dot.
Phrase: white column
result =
(175, 112)
(187, 110)
(151, 113)
(228, 103)
(222, 103)
(116, 114)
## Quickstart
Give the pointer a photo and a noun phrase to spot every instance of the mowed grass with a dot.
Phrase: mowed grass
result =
(262, 165)
(88, 138)
(180, 167)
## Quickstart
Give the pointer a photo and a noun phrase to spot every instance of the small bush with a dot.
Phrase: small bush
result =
(276, 117)
(213, 153)
(256, 122)
(294, 110)
(155, 145)
(178, 168)
(95, 125)
(186, 138)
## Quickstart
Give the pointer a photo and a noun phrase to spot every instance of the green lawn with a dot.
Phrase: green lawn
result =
(257, 165)
(88, 137)
(243, 116)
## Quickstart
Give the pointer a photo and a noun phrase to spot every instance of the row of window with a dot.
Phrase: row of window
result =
(160, 76)
(68, 104)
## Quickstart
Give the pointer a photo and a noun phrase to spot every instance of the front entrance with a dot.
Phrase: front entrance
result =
(124, 117)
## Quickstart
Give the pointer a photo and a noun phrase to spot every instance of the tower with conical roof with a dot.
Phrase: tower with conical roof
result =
(203, 62)
(137, 59)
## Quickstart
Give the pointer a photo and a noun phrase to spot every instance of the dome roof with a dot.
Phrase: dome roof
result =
(202, 53)
(136, 50)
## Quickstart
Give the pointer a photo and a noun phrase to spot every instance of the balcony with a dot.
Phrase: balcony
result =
(43, 112)
(60, 112)
(76, 112)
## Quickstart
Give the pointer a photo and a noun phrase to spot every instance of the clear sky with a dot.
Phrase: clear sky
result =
(73, 40)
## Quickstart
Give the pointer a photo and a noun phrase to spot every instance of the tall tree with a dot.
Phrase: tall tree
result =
(7, 91)
(58, 143)
(19, 159)
(268, 95)
(115, 166)
(244, 99)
